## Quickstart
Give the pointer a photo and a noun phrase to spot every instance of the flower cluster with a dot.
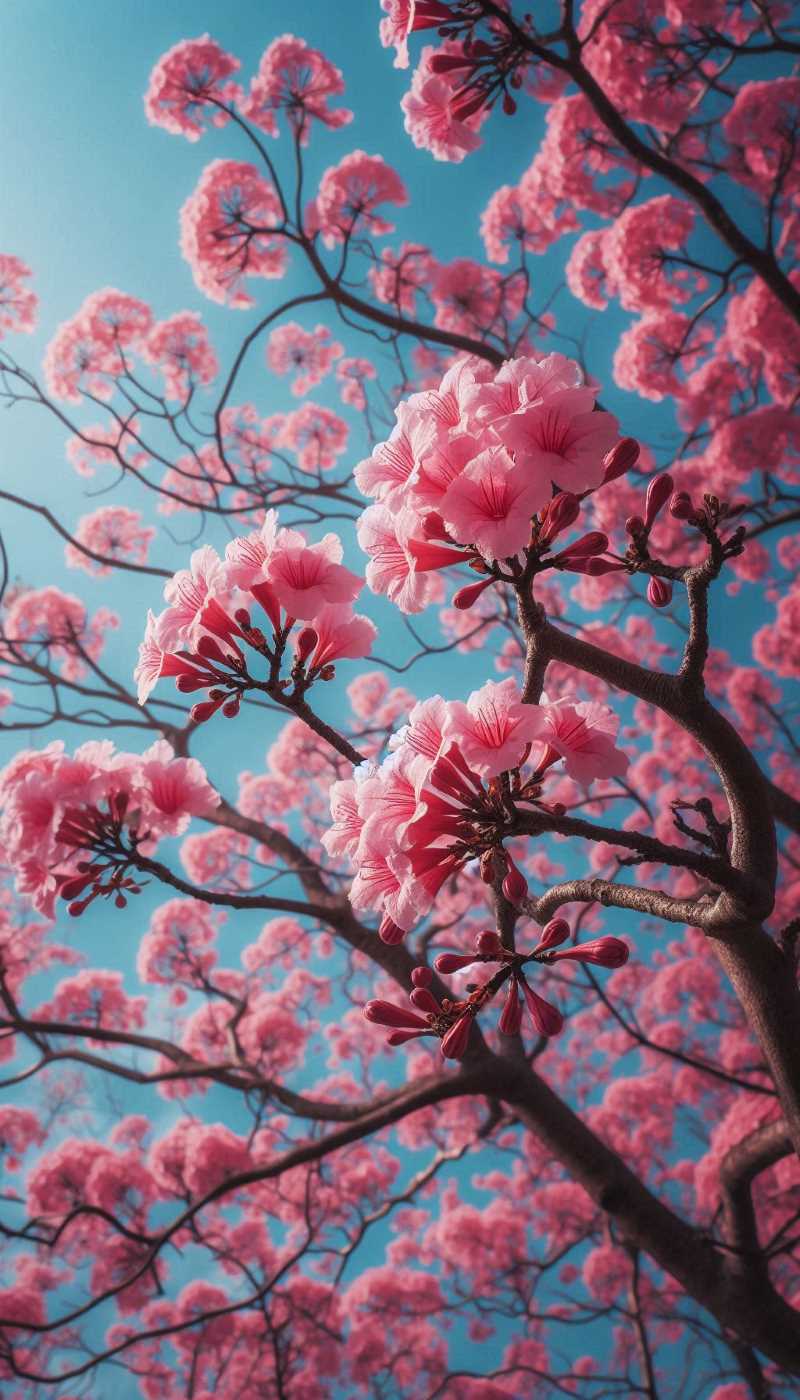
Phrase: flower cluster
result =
(308, 355)
(349, 195)
(201, 636)
(74, 824)
(17, 302)
(451, 1019)
(300, 81)
(230, 229)
(458, 780)
(469, 464)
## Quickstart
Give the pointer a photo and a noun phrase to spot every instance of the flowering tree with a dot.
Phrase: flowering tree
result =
(560, 892)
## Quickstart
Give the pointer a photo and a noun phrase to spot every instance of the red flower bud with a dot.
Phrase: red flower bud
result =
(509, 105)
(605, 952)
(306, 642)
(488, 941)
(210, 647)
(593, 543)
(515, 886)
(231, 710)
(547, 1019)
(680, 505)
(511, 1015)
(595, 567)
(470, 593)
(469, 105)
(447, 963)
(389, 931)
(623, 456)
(424, 1001)
(659, 592)
(421, 976)
(188, 681)
(658, 493)
(449, 62)
(385, 1013)
(454, 1043)
(557, 931)
(561, 512)
(634, 525)
(202, 712)
(429, 14)
(403, 1037)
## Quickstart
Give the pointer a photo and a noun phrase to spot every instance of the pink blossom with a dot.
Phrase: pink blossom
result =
(397, 277)
(46, 618)
(339, 633)
(17, 302)
(181, 349)
(88, 352)
(431, 108)
(217, 238)
(470, 298)
(490, 504)
(306, 578)
(583, 735)
(494, 728)
(299, 81)
(187, 594)
(400, 560)
(189, 83)
(562, 439)
(115, 532)
(317, 435)
(174, 789)
(309, 355)
(353, 373)
(349, 194)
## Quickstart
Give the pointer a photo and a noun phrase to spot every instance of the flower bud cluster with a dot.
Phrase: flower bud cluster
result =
(451, 1020)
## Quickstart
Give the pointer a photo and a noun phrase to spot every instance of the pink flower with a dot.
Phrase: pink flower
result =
(114, 532)
(393, 463)
(349, 194)
(217, 241)
(17, 302)
(316, 434)
(340, 634)
(491, 502)
(494, 728)
(175, 789)
(189, 83)
(343, 837)
(561, 438)
(384, 536)
(308, 355)
(431, 107)
(187, 594)
(300, 81)
(89, 351)
(352, 373)
(583, 735)
(247, 555)
(398, 277)
(182, 351)
(383, 881)
(308, 577)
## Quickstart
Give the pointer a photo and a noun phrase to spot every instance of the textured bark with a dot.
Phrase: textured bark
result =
(743, 1303)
